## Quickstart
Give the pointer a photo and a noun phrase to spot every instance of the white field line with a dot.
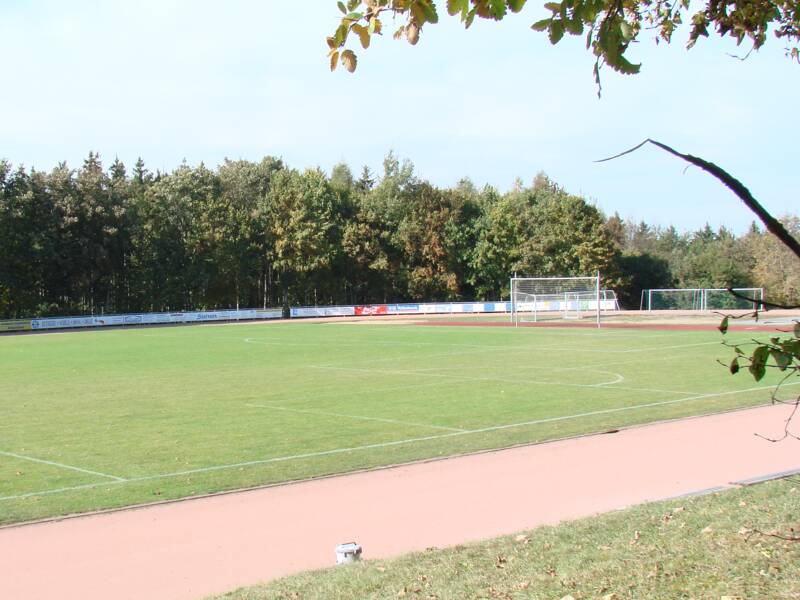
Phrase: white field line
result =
(315, 395)
(358, 417)
(361, 343)
(587, 369)
(617, 377)
(60, 465)
(390, 444)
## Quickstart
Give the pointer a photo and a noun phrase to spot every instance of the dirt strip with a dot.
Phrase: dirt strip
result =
(190, 549)
(653, 326)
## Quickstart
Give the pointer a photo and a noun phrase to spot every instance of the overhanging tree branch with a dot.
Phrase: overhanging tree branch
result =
(764, 303)
(737, 187)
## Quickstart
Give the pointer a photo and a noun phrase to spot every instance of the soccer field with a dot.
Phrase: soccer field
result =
(101, 419)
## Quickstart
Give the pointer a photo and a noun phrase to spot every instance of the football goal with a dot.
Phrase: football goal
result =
(536, 299)
(701, 299)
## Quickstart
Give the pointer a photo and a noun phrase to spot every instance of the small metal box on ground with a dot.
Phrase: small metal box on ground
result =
(347, 553)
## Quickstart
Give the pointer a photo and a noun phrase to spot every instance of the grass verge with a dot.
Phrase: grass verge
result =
(713, 546)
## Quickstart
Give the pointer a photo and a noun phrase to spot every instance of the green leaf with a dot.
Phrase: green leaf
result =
(553, 6)
(556, 31)
(757, 370)
(782, 359)
(734, 367)
(516, 5)
(353, 4)
(758, 362)
(429, 10)
(340, 37)
(797, 329)
(342, 7)
(723, 326)
(469, 19)
(626, 30)
(457, 6)
(574, 26)
(541, 25)
(623, 65)
(497, 8)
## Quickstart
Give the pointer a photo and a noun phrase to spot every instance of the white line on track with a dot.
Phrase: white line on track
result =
(358, 417)
(61, 465)
(393, 443)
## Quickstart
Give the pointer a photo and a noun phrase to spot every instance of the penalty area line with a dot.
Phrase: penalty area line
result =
(60, 465)
(380, 445)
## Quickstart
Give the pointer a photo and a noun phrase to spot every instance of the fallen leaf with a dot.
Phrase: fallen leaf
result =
(707, 530)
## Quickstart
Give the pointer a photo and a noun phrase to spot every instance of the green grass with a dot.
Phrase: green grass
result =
(133, 416)
(703, 547)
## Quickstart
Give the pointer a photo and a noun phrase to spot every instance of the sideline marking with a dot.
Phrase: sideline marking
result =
(61, 465)
(359, 417)
(278, 459)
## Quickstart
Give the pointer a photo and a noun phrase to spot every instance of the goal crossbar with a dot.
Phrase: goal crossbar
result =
(538, 298)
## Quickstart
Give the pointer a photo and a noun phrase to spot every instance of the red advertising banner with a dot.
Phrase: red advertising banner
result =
(375, 309)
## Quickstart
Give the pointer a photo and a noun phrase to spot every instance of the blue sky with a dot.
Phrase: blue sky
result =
(201, 81)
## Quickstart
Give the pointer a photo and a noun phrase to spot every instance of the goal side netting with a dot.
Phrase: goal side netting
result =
(701, 299)
(536, 299)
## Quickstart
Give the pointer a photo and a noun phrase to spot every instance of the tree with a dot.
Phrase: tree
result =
(610, 27)
(299, 215)
(775, 267)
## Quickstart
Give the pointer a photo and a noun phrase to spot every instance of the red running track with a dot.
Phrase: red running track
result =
(189, 549)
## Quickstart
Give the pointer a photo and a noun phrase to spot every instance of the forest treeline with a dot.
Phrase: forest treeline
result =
(95, 240)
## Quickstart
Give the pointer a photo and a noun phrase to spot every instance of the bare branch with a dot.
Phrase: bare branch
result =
(737, 187)
(787, 424)
(764, 303)
(787, 538)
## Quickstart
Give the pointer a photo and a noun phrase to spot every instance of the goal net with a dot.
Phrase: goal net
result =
(701, 299)
(535, 299)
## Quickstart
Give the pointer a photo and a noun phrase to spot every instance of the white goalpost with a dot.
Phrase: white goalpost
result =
(536, 299)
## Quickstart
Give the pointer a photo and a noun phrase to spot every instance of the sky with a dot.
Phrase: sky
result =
(175, 80)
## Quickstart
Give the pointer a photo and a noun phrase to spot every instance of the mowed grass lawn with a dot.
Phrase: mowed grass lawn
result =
(100, 419)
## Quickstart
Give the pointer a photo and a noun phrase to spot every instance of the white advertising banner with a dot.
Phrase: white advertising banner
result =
(155, 318)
